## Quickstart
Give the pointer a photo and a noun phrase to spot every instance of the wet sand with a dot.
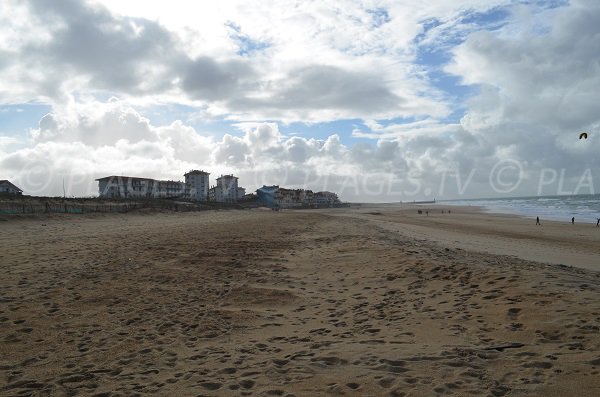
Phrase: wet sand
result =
(301, 303)
(471, 229)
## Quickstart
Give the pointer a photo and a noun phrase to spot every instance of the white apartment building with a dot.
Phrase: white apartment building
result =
(278, 197)
(325, 199)
(197, 185)
(195, 188)
(132, 187)
(226, 189)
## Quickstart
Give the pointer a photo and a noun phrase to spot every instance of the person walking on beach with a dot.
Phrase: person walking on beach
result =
(537, 221)
(598, 223)
(573, 221)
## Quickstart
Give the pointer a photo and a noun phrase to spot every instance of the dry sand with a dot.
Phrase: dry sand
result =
(302, 303)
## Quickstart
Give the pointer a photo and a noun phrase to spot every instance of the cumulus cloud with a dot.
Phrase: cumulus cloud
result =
(322, 87)
(206, 79)
(94, 124)
(401, 163)
(536, 80)
(84, 45)
(539, 88)
(78, 144)
(321, 62)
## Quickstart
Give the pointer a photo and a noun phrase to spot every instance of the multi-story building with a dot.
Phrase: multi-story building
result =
(277, 197)
(241, 192)
(290, 198)
(132, 187)
(197, 185)
(168, 189)
(226, 189)
(268, 195)
(325, 199)
(7, 187)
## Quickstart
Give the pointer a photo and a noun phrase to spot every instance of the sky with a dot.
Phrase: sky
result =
(376, 100)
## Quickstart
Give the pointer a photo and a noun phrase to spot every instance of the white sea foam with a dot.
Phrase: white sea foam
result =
(585, 208)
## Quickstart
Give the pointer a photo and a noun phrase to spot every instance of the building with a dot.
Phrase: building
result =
(241, 192)
(278, 197)
(7, 187)
(197, 185)
(170, 189)
(325, 199)
(132, 187)
(195, 188)
(268, 195)
(226, 190)
(290, 198)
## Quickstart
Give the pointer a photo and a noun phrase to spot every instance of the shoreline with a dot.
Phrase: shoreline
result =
(470, 228)
(591, 220)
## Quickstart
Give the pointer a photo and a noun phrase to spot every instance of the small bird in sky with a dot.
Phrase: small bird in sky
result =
(583, 135)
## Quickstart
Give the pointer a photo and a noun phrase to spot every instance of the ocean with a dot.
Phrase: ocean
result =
(585, 207)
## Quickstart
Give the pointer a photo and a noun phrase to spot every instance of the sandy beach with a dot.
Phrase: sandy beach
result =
(363, 301)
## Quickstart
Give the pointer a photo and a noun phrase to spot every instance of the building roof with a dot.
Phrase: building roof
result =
(6, 182)
(230, 176)
(196, 172)
(124, 177)
(268, 189)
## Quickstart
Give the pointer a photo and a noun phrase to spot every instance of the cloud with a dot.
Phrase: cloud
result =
(323, 92)
(535, 77)
(84, 45)
(78, 144)
(323, 62)
(232, 151)
(94, 124)
(205, 78)
(539, 88)
(425, 159)
(548, 78)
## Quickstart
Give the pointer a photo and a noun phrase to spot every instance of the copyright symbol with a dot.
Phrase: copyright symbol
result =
(506, 176)
(36, 175)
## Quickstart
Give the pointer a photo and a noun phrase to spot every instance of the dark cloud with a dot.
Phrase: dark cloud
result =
(319, 87)
(549, 78)
(205, 78)
(88, 48)
(115, 53)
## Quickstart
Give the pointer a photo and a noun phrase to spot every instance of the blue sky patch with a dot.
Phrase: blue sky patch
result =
(246, 45)
(17, 120)
(380, 16)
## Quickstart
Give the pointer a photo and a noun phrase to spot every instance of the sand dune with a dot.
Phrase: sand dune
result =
(259, 303)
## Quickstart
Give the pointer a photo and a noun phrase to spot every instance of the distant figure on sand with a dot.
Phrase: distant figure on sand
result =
(537, 221)
(427, 213)
(573, 221)
(598, 223)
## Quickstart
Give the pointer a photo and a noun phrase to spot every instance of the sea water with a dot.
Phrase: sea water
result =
(584, 207)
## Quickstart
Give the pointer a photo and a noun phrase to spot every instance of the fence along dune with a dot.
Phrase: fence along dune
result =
(82, 206)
